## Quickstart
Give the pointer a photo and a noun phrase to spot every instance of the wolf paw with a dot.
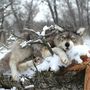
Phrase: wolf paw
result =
(65, 61)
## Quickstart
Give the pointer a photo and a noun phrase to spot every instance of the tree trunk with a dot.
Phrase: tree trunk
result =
(72, 14)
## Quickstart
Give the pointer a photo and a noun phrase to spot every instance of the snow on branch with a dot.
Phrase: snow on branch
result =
(53, 29)
(4, 45)
(30, 42)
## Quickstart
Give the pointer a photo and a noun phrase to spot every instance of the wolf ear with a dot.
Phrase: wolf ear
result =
(81, 31)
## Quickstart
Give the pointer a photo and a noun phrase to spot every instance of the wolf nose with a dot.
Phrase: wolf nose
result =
(67, 44)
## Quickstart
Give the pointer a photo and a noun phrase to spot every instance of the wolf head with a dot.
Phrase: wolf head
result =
(67, 39)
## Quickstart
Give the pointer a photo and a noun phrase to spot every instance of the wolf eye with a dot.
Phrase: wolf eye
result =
(73, 37)
(63, 36)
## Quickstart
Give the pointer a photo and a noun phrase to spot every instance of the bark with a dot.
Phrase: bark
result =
(72, 13)
(56, 13)
(87, 78)
(30, 16)
(87, 10)
(80, 11)
(18, 20)
(53, 11)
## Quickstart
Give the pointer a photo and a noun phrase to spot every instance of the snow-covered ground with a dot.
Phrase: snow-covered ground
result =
(14, 88)
(5, 49)
(77, 51)
(51, 62)
(3, 52)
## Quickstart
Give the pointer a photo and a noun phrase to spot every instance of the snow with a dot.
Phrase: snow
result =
(14, 88)
(11, 37)
(52, 62)
(3, 52)
(30, 86)
(23, 44)
(87, 41)
(44, 30)
(38, 33)
(81, 30)
(79, 50)
(59, 28)
(30, 72)
(2, 89)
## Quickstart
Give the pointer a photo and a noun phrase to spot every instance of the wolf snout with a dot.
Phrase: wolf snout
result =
(67, 44)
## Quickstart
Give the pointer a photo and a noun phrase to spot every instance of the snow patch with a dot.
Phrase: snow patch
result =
(3, 52)
(79, 50)
(52, 62)
(44, 30)
(11, 38)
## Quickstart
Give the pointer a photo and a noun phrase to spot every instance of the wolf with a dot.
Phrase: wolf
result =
(68, 39)
(16, 57)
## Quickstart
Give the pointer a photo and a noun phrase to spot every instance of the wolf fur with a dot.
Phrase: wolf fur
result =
(58, 51)
(68, 39)
(18, 54)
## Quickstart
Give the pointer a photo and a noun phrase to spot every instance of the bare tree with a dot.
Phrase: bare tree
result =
(53, 10)
(80, 8)
(31, 11)
(71, 13)
(86, 8)
(17, 16)
(4, 13)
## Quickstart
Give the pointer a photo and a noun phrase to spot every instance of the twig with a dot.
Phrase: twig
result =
(46, 44)
(4, 45)
(17, 36)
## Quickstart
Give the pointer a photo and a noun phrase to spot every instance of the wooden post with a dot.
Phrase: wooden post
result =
(87, 78)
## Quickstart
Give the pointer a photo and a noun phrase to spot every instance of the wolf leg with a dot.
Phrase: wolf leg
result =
(62, 55)
(14, 72)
